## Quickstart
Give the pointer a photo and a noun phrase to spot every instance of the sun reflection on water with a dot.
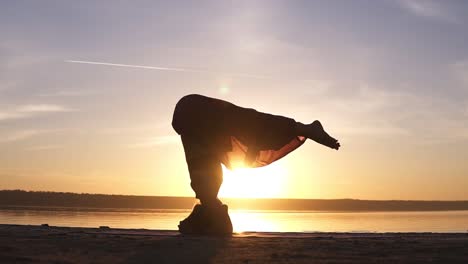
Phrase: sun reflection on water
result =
(246, 220)
(253, 221)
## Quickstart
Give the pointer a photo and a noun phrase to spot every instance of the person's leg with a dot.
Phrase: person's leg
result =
(205, 171)
(316, 132)
(206, 175)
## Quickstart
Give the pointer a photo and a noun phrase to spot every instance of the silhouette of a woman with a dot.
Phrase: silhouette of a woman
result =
(214, 131)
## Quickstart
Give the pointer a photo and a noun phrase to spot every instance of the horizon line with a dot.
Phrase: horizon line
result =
(243, 198)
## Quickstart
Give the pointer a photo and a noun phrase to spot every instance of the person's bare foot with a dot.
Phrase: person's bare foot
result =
(316, 132)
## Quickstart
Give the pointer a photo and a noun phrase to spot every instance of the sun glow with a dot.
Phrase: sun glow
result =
(253, 221)
(264, 182)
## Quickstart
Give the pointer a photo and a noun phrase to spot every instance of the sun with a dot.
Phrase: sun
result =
(264, 182)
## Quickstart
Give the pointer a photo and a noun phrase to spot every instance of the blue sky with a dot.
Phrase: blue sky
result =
(388, 78)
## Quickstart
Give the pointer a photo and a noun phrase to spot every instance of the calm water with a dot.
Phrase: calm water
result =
(274, 221)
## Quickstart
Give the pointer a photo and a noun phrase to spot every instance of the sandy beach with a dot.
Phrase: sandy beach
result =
(47, 244)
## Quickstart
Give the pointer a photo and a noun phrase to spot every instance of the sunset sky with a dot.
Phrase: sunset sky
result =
(388, 78)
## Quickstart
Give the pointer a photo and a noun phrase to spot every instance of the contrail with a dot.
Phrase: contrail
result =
(168, 69)
(133, 66)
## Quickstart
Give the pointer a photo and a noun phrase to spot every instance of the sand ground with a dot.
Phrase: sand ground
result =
(37, 244)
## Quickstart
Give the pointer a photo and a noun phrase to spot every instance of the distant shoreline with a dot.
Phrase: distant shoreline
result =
(19, 198)
(128, 209)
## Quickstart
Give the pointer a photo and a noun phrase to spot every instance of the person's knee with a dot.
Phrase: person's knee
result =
(185, 107)
(188, 100)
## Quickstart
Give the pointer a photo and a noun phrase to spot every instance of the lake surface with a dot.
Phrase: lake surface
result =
(271, 221)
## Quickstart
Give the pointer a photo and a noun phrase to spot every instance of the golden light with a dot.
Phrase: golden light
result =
(253, 221)
(264, 182)
(224, 89)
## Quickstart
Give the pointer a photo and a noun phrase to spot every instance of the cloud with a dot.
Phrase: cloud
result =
(380, 111)
(428, 9)
(9, 115)
(363, 111)
(42, 108)
(156, 141)
(379, 128)
(18, 135)
(65, 93)
(26, 111)
(45, 147)
(21, 135)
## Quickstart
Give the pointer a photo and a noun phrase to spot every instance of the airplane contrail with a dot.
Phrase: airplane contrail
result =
(133, 66)
(168, 69)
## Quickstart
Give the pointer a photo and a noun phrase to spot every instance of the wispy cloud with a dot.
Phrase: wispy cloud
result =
(25, 111)
(155, 141)
(379, 128)
(21, 135)
(145, 129)
(42, 108)
(66, 93)
(45, 147)
(400, 112)
(9, 115)
(429, 9)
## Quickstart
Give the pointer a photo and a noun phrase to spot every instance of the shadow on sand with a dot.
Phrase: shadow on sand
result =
(179, 249)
